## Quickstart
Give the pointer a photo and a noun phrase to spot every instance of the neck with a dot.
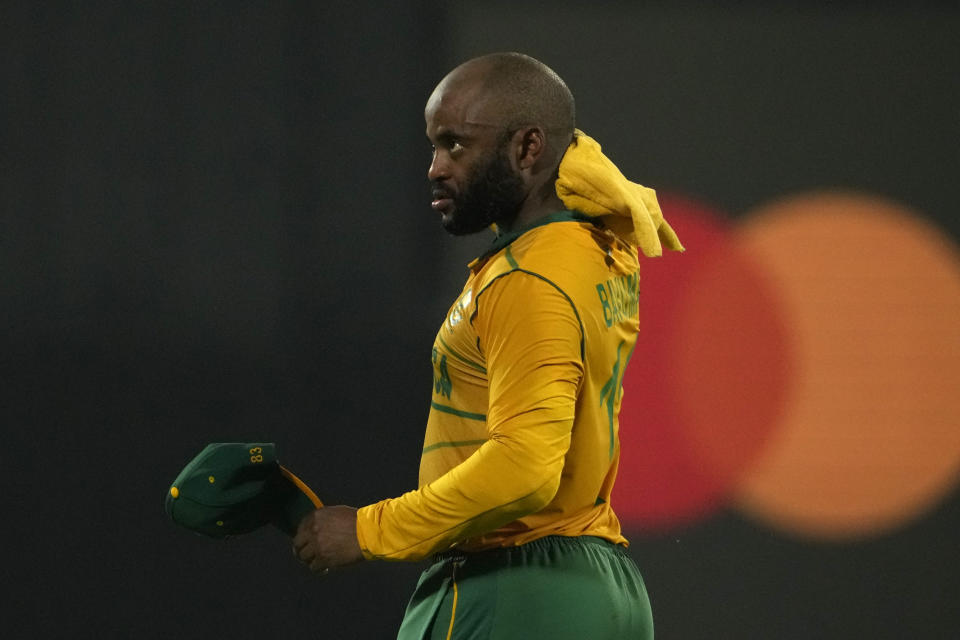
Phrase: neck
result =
(539, 202)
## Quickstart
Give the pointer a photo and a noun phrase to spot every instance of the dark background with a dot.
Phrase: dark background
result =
(216, 227)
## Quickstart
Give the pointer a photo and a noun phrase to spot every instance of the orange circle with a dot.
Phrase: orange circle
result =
(869, 436)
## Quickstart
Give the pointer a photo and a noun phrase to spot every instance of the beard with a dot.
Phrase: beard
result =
(493, 194)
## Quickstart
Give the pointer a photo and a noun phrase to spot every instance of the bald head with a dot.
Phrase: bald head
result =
(513, 90)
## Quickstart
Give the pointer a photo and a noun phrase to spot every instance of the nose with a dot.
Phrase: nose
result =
(439, 167)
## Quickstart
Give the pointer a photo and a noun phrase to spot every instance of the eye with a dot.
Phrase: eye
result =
(455, 147)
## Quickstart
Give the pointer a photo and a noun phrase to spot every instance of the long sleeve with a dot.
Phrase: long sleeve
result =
(530, 337)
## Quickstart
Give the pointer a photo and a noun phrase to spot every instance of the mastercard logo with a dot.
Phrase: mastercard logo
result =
(800, 365)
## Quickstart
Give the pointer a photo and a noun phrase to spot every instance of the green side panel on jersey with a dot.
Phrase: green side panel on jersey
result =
(457, 412)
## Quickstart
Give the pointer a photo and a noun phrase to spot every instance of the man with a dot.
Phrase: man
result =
(521, 447)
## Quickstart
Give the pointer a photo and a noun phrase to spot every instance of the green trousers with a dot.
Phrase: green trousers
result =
(555, 588)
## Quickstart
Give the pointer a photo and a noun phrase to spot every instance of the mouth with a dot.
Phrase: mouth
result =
(442, 201)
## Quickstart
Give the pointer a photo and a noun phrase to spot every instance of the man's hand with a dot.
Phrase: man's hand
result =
(327, 538)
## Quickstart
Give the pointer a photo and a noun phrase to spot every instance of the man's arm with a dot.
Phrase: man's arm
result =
(531, 338)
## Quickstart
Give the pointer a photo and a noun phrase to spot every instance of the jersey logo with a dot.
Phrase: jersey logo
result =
(460, 308)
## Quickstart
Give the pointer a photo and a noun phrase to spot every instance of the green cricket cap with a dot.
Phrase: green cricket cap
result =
(231, 488)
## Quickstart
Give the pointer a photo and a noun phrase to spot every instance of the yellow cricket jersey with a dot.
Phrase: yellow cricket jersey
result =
(522, 437)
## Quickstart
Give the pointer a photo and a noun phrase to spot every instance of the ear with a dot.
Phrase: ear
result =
(531, 147)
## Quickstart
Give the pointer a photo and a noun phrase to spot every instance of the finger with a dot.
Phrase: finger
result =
(299, 543)
(318, 565)
(302, 531)
(305, 552)
(302, 538)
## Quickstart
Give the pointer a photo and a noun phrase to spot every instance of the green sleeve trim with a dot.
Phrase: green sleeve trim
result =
(457, 412)
(464, 360)
(452, 443)
(476, 302)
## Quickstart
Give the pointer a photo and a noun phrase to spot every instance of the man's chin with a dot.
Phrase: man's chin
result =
(455, 225)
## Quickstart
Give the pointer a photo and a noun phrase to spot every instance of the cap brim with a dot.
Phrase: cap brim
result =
(294, 501)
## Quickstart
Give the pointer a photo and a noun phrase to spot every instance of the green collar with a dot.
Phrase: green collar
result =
(504, 239)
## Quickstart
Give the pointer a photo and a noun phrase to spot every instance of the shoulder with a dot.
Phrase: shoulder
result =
(522, 307)
(533, 281)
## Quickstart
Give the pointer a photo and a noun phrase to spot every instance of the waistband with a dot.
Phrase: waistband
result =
(540, 544)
